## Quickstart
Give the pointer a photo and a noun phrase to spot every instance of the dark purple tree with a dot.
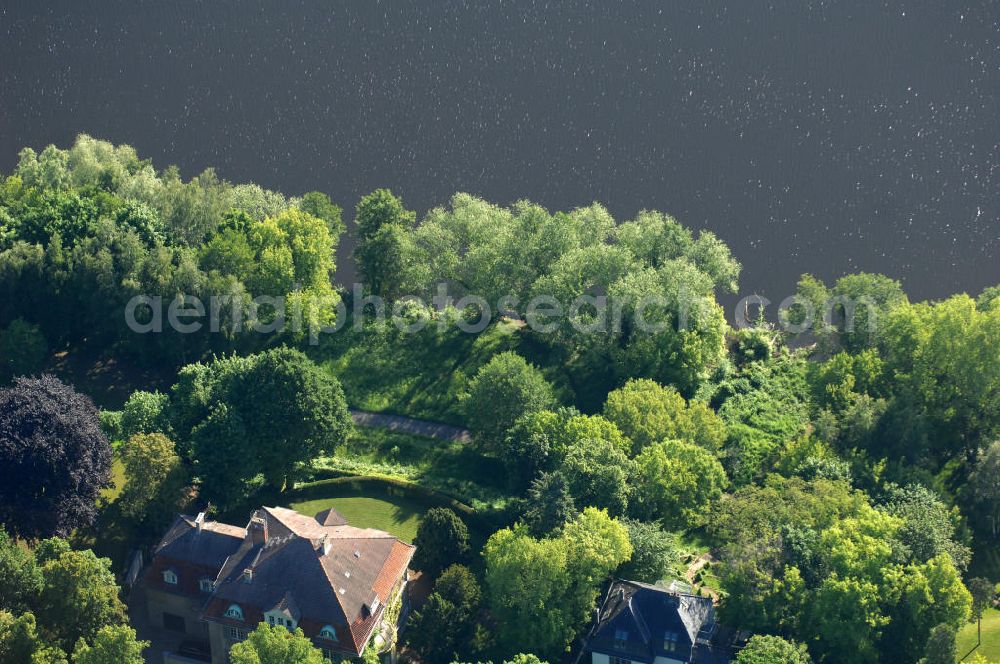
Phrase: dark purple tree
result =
(54, 459)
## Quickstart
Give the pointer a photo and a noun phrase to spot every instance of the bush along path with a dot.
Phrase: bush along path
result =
(410, 425)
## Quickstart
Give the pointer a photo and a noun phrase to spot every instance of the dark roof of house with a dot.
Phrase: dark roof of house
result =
(329, 574)
(208, 546)
(643, 614)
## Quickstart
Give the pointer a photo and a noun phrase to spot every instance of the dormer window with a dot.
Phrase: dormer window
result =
(328, 633)
(670, 641)
(205, 584)
(170, 577)
(234, 611)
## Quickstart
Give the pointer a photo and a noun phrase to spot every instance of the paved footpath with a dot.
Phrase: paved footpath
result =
(410, 425)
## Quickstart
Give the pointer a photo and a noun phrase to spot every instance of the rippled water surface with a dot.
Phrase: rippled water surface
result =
(823, 136)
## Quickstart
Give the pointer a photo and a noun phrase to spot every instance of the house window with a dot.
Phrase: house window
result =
(234, 611)
(170, 577)
(330, 655)
(270, 620)
(328, 633)
(621, 638)
(670, 641)
(237, 634)
(619, 660)
(288, 624)
(205, 585)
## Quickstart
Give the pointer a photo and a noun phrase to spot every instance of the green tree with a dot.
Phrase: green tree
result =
(270, 644)
(20, 576)
(982, 592)
(154, 478)
(533, 445)
(20, 641)
(941, 646)
(647, 412)
(677, 482)
(549, 504)
(504, 389)
(654, 552)
(543, 590)
(763, 649)
(597, 474)
(114, 644)
(382, 222)
(22, 349)
(929, 527)
(319, 205)
(442, 540)
(443, 630)
(984, 488)
(144, 413)
(262, 415)
(79, 597)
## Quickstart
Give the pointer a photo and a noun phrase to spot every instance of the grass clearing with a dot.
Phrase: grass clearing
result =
(111, 494)
(420, 375)
(990, 648)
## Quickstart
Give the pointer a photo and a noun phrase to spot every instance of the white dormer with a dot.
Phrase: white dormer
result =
(328, 632)
(170, 577)
(278, 617)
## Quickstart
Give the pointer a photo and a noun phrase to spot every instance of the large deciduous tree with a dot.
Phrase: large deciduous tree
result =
(543, 590)
(79, 596)
(764, 649)
(113, 644)
(54, 459)
(382, 223)
(263, 415)
(154, 478)
(269, 644)
(676, 482)
(506, 388)
(647, 413)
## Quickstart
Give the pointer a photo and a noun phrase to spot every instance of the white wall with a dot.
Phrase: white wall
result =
(667, 660)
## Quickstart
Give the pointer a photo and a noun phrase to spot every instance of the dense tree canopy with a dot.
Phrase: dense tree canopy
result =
(295, 410)
(649, 413)
(542, 590)
(269, 644)
(88, 228)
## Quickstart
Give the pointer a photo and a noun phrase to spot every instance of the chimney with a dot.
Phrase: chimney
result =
(257, 530)
(326, 544)
(199, 521)
(247, 575)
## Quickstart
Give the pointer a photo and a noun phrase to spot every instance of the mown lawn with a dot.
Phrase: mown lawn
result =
(990, 648)
(111, 494)
(396, 515)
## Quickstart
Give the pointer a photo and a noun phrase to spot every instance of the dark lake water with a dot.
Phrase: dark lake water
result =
(823, 136)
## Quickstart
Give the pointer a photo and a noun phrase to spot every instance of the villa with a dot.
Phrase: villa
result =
(211, 583)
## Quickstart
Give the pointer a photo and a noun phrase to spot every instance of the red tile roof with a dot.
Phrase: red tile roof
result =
(329, 572)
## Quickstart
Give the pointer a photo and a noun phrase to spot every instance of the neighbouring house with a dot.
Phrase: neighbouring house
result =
(639, 622)
(212, 583)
